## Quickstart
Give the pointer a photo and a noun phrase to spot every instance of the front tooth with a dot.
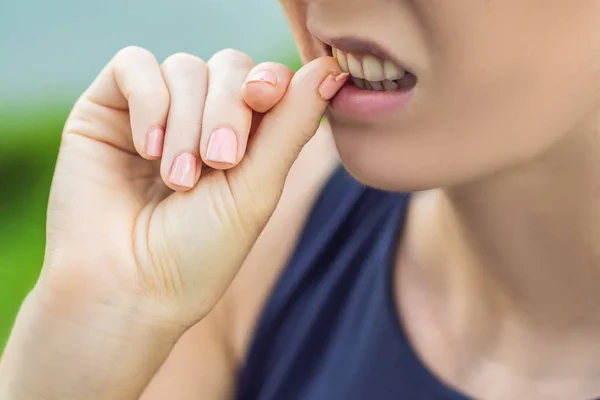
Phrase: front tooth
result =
(355, 67)
(391, 71)
(373, 68)
(341, 59)
(376, 86)
(390, 85)
(359, 83)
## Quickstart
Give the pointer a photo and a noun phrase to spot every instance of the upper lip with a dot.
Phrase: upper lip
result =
(357, 45)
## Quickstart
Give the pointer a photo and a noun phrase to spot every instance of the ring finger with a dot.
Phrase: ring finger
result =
(227, 118)
(186, 77)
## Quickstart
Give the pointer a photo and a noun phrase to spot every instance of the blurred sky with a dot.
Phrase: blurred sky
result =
(50, 51)
(54, 48)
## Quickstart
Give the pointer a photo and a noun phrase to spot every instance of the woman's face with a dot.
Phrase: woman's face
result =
(497, 82)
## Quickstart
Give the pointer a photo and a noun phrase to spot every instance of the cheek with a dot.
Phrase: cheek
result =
(473, 123)
(502, 83)
(513, 104)
(531, 79)
(497, 98)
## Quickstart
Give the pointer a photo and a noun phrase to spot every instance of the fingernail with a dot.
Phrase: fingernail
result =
(262, 76)
(332, 84)
(222, 146)
(154, 141)
(183, 172)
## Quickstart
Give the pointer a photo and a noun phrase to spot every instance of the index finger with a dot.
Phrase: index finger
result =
(265, 86)
(132, 82)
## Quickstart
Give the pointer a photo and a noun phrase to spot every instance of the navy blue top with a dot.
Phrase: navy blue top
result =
(330, 329)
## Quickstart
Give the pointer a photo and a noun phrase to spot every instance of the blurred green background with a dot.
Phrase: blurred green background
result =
(50, 52)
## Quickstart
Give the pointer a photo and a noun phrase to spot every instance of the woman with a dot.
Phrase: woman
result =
(171, 181)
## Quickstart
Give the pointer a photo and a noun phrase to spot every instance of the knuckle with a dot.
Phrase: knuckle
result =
(233, 56)
(184, 63)
(135, 54)
(133, 59)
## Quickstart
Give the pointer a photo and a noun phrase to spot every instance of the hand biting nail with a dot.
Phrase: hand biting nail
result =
(332, 84)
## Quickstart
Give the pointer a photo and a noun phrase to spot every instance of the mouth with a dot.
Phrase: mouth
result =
(380, 85)
(370, 67)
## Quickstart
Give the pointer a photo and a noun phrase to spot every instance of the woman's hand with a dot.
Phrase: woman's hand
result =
(135, 211)
(166, 176)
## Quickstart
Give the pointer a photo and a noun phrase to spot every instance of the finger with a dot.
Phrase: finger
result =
(186, 77)
(265, 86)
(292, 122)
(227, 119)
(132, 82)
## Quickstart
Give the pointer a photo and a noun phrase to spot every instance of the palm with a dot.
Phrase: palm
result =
(118, 225)
(138, 222)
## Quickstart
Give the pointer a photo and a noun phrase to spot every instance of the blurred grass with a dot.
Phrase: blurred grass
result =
(29, 141)
(28, 148)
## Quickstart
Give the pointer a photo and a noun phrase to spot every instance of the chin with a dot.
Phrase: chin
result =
(384, 179)
(409, 162)
(401, 176)
(377, 160)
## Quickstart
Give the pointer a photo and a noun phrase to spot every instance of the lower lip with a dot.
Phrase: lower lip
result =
(354, 103)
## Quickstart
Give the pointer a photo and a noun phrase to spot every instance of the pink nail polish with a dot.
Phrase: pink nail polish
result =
(183, 172)
(154, 141)
(332, 84)
(222, 146)
(262, 76)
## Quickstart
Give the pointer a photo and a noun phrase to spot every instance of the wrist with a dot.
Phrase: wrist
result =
(109, 347)
(83, 301)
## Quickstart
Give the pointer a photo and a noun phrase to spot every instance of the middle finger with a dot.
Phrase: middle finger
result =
(186, 77)
(227, 118)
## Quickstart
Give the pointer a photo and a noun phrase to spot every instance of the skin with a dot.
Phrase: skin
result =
(497, 274)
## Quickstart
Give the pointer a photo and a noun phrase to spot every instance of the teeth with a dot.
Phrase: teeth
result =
(390, 85)
(391, 71)
(342, 60)
(376, 86)
(372, 68)
(359, 83)
(355, 66)
(369, 72)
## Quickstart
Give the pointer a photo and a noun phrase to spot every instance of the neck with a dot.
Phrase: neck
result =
(533, 233)
(515, 258)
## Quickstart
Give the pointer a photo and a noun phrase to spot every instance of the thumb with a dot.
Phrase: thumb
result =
(291, 123)
(223, 216)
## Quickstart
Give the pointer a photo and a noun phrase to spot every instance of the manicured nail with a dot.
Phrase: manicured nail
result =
(183, 172)
(222, 146)
(332, 84)
(154, 141)
(262, 76)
